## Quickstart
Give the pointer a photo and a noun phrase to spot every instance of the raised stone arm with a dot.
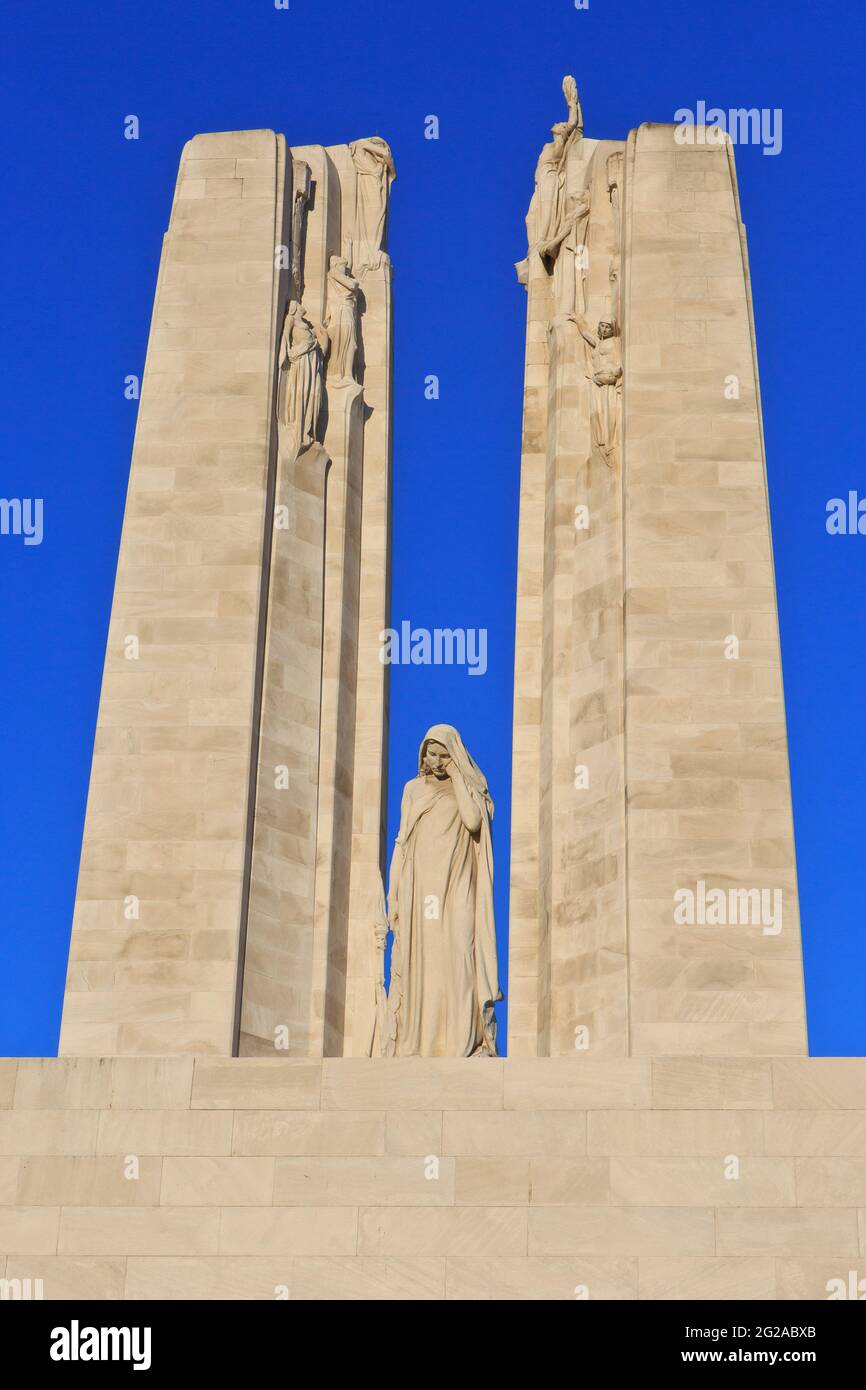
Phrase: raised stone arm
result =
(575, 114)
(343, 277)
(469, 812)
(584, 329)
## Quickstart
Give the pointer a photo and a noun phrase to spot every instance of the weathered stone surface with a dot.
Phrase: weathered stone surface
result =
(649, 743)
(235, 816)
(657, 1131)
(605, 1189)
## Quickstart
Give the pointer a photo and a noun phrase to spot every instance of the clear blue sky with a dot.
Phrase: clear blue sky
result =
(85, 212)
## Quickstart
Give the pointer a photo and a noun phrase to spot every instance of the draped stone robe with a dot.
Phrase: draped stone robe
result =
(444, 978)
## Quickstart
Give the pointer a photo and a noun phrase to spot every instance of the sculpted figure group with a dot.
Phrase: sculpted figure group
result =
(606, 376)
(558, 227)
(310, 353)
(547, 210)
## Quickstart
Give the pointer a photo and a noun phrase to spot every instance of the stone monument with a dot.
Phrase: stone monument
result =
(657, 1129)
(650, 756)
(236, 808)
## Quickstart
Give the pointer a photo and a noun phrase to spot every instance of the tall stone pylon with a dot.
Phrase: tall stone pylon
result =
(654, 904)
(234, 834)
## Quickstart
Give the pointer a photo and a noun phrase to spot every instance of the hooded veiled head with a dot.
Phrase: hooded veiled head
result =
(451, 741)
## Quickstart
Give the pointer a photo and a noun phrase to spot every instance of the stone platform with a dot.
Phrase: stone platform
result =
(549, 1178)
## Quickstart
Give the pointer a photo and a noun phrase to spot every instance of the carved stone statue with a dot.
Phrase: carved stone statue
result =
(376, 172)
(568, 254)
(546, 216)
(342, 320)
(606, 374)
(444, 978)
(301, 354)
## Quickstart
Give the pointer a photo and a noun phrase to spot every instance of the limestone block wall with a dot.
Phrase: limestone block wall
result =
(340, 714)
(309, 933)
(650, 754)
(281, 985)
(708, 788)
(370, 755)
(235, 826)
(154, 950)
(529, 910)
(277, 982)
(588, 976)
(531, 1178)
(567, 947)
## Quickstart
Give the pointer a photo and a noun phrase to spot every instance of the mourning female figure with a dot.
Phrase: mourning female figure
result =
(444, 979)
